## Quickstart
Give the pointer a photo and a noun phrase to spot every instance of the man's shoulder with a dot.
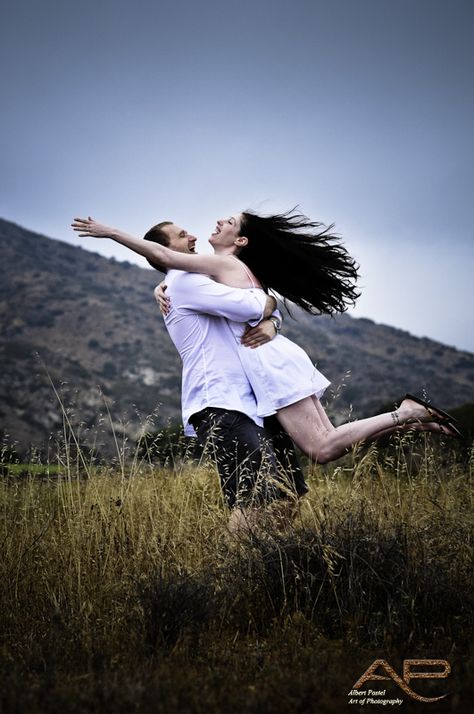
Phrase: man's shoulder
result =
(180, 277)
(174, 274)
(175, 277)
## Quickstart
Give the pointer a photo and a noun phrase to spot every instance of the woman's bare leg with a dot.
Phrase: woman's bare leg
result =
(432, 427)
(321, 441)
(322, 414)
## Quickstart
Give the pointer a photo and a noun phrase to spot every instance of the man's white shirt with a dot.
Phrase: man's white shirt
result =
(213, 375)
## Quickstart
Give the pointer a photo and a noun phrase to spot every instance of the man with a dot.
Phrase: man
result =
(217, 400)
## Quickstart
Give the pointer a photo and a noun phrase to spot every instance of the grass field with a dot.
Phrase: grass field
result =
(121, 590)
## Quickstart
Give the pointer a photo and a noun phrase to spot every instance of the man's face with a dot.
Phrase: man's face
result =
(179, 239)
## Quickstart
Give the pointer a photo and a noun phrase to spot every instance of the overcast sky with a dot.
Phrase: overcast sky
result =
(360, 111)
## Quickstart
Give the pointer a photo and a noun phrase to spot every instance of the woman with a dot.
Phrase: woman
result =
(293, 256)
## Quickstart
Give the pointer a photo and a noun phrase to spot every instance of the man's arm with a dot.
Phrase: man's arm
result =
(253, 337)
(198, 293)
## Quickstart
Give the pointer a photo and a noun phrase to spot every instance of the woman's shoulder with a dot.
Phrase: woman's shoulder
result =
(255, 283)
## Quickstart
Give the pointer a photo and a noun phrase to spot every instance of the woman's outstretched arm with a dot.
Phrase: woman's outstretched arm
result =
(207, 264)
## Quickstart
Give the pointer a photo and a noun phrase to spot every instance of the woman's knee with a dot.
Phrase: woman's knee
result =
(323, 456)
(320, 452)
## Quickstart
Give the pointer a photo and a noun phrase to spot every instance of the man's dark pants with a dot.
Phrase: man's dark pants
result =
(256, 465)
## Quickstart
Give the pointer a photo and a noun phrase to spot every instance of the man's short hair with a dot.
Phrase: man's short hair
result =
(157, 235)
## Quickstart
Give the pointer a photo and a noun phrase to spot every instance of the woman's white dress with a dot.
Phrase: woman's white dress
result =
(280, 372)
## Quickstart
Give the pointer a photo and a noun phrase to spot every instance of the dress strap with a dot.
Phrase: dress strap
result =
(249, 274)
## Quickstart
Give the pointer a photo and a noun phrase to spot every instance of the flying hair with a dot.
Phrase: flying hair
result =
(302, 260)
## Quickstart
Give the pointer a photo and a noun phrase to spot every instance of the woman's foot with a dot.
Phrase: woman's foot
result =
(435, 427)
(437, 413)
(418, 411)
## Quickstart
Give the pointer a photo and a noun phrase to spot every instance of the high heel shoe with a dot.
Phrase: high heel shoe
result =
(438, 414)
(453, 431)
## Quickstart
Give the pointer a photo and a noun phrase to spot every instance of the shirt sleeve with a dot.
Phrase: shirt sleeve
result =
(275, 313)
(199, 293)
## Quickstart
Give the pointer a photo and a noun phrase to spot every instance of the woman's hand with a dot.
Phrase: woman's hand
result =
(89, 227)
(162, 299)
(256, 336)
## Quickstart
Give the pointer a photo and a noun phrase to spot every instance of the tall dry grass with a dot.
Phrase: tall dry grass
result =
(121, 590)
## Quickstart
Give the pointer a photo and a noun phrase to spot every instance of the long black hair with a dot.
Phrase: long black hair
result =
(301, 260)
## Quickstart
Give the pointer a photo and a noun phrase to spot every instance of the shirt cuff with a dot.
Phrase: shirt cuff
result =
(275, 313)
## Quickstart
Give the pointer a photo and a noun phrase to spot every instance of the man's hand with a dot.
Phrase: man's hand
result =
(256, 336)
(162, 299)
(89, 227)
(270, 306)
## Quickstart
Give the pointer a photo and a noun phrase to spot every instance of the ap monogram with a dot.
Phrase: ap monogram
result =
(408, 675)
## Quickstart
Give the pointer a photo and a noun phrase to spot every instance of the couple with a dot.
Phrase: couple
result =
(213, 297)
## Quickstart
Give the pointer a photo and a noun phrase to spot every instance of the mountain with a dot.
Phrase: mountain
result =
(75, 319)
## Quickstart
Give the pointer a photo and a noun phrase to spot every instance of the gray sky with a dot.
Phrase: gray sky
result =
(360, 111)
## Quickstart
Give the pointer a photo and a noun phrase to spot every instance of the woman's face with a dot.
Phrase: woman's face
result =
(227, 231)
